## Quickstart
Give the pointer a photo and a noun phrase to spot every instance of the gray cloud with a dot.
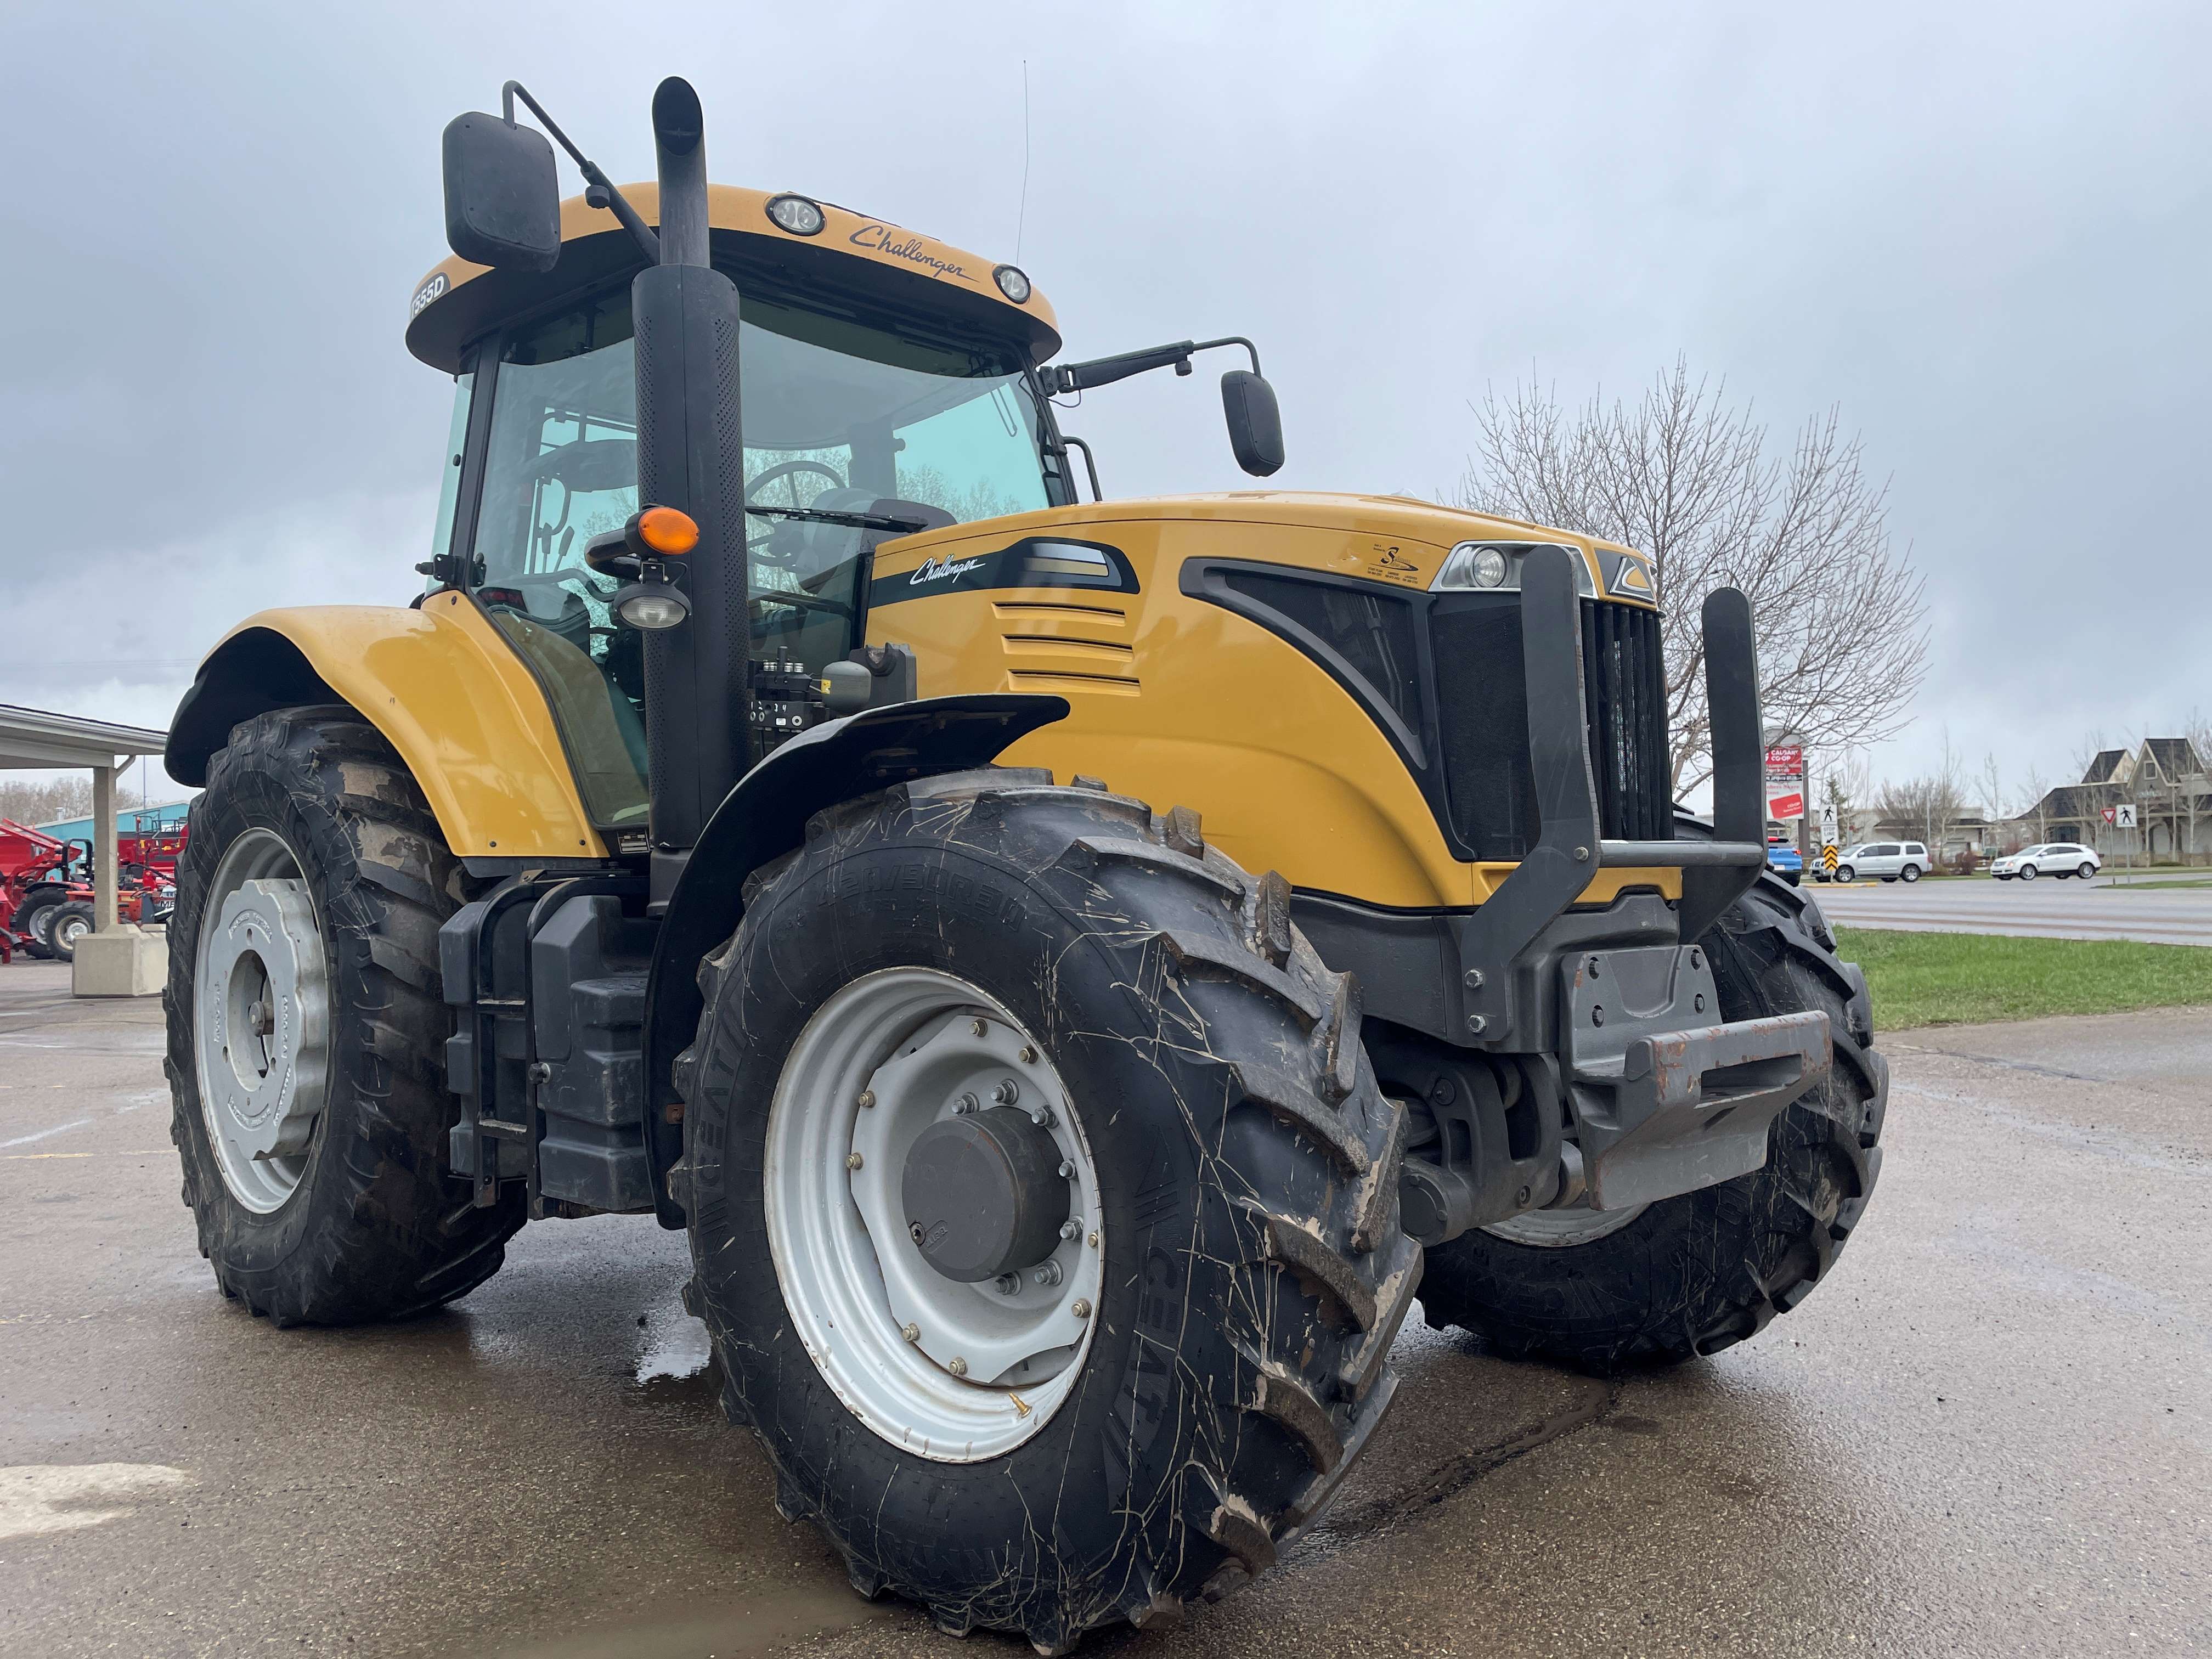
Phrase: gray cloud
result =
(1982, 231)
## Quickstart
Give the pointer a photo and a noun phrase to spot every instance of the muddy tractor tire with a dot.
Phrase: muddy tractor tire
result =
(306, 1031)
(1020, 1422)
(1695, 1273)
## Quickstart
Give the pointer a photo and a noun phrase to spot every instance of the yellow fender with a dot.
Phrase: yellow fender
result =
(441, 684)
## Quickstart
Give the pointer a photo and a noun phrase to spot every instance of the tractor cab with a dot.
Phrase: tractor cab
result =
(889, 384)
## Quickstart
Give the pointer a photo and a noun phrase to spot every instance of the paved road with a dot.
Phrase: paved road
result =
(1990, 1434)
(2049, 908)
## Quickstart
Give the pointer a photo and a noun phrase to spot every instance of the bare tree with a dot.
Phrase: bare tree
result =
(46, 799)
(2036, 791)
(1926, 807)
(1991, 781)
(1690, 479)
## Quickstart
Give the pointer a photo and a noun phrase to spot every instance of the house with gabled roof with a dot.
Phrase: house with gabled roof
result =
(2164, 779)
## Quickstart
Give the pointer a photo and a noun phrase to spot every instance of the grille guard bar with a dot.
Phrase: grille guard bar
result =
(1569, 850)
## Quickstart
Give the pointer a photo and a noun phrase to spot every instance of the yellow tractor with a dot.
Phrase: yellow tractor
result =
(1069, 963)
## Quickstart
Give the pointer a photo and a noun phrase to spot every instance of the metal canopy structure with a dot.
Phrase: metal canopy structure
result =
(37, 737)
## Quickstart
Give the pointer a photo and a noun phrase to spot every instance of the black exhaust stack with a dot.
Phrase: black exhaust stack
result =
(691, 456)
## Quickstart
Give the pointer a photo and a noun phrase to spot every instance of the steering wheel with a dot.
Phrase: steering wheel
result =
(756, 545)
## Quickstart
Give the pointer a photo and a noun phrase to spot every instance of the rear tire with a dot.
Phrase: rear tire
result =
(65, 924)
(362, 1222)
(1910, 873)
(1253, 1271)
(34, 916)
(2086, 870)
(1699, 1272)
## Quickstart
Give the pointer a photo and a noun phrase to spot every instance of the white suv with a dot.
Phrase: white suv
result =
(1891, 860)
(2061, 859)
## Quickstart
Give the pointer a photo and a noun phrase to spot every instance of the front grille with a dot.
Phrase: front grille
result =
(1463, 733)
(1483, 723)
(1625, 690)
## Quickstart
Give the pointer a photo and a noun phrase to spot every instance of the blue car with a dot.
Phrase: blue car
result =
(1786, 861)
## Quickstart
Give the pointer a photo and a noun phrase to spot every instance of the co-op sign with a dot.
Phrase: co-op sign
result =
(1785, 782)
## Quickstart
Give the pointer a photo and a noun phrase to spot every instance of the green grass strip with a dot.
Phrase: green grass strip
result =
(1966, 979)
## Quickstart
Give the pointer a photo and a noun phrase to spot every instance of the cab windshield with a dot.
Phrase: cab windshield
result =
(838, 415)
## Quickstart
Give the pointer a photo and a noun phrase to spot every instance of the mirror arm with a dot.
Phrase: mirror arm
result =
(598, 180)
(1105, 371)
(1232, 340)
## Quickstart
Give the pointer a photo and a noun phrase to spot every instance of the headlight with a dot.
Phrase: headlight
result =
(1473, 564)
(795, 214)
(651, 607)
(1012, 284)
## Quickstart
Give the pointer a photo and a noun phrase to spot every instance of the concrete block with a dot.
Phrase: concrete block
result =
(124, 962)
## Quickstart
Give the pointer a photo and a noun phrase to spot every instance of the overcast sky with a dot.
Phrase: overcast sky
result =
(1983, 232)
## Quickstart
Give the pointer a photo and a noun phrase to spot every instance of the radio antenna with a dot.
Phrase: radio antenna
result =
(1021, 213)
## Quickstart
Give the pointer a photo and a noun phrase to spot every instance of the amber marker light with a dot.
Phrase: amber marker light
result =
(667, 531)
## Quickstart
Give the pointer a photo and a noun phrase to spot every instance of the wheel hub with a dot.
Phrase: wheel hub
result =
(933, 1214)
(263, 988)
(262, 1014)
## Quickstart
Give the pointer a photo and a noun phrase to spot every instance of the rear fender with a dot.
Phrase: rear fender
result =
(765, 817)
(442, 685)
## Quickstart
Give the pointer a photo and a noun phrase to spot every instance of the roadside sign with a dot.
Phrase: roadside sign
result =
(1828, 857)
(2111, 815)
(2121, 817)
(1785, 782)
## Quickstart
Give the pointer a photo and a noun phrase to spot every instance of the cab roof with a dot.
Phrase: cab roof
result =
(853, 259)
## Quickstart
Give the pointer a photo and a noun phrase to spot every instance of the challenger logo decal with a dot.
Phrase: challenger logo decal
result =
(1390, 565)
(904, 244)
(1032, 561)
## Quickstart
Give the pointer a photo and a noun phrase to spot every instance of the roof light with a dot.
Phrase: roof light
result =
(795, 214)
(1012, 284)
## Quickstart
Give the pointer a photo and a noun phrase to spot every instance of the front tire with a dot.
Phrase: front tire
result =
(2028, 873)
(305, 1031)
(65, 924)
(1700, 1272)
(1844, 872)
(1241, 1181)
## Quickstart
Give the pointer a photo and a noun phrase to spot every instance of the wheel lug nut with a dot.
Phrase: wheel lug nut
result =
(852, 1160)
(964, 1105)
(958, 1367)
(868, 1097)
(1048, 1275)
(1028, 1055)
(1008, 1284)
(1007, 1091)
(1041, 1116)
(1069, 1228)
(1093, 1240)
(1081, 1310)
(982, 1028)
(1066, 1170)
(911, 1332)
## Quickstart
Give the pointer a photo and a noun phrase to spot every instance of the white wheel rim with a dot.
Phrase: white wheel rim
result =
(261, 1019)
(1562, 1230)
(982, 1370)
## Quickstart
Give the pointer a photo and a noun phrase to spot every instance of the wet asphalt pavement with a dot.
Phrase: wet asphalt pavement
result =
(1989, 1433)
(2047, 907)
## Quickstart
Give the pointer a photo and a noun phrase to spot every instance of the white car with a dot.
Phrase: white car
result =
(2061, 859)
(1891, 860)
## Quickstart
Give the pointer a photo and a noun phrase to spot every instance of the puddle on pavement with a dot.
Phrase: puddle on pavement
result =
(761, 1624)
(674, 1347)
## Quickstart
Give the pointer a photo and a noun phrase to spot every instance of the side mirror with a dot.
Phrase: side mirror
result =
(1255, 425)
(502, 197)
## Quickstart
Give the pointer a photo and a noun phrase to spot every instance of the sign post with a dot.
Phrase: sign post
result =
(2123, 817)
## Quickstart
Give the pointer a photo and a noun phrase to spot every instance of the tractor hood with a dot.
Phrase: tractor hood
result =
(1393, 539)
